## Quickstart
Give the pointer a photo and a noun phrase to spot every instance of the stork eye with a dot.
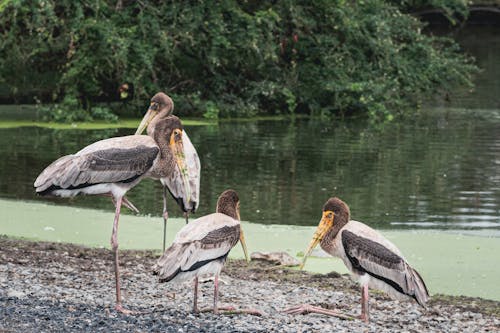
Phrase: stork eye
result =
(154, 106)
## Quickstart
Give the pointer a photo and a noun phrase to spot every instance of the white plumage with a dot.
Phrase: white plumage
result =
(114, 166)
(403, 275)
(184, 181)
(207, 240)
(201, 247)
(372, 259)
(189, 202)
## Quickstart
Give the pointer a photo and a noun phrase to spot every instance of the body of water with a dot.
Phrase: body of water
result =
(438, 170)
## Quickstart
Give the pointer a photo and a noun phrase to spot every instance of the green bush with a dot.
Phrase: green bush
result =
(70, 110)
(229, 58)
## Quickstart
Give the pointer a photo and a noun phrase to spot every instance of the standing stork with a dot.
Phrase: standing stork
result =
(374, 260)
(174, 182)
(201, 247)
(114, 166)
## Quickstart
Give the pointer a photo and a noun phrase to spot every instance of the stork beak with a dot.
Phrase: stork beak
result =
(244, 245)
(180, 158)
(324, 225)
(150, 114)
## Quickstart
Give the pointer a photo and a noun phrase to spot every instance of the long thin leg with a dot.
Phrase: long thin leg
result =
(216, 293)
(165, 216)
(186, 215)
(365, 313)
(227, 309)
(195, 298)
(114, 247)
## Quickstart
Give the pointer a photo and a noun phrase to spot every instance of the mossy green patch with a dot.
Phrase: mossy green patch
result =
(123, 123)
(450, 263)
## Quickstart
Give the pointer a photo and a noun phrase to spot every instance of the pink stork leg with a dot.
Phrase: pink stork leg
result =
(165, 216)
(114, 247)
(216, 293)
(228, 309)
(365, 313)
(195, 298)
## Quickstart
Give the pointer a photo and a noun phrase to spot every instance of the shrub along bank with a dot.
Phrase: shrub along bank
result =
(224, 58)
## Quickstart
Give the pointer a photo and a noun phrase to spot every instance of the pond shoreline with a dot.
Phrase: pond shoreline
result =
(49, 287)
(463, 266)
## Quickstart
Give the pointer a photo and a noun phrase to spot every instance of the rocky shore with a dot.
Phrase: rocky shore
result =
(53, 287)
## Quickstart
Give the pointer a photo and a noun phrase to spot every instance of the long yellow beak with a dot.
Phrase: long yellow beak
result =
(146, 120)
(244, 245)
(324, 225)
(180, 158)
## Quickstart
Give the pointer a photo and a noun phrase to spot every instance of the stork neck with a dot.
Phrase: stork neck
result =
(227, 209)
(166, 161)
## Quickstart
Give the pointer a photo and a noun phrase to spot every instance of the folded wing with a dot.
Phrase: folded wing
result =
(200, 242)
(384, 265)
(187, 201)
(108, 161)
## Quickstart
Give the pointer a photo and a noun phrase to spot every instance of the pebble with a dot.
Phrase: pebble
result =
(15, 293)
(60, 296)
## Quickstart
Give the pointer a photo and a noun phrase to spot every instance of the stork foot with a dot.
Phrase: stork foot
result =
(121, 309)
(229, 309)
(217, 310)
(308, 308)
(130, 205)
(364, 317)
(126, 202)
(253, 312)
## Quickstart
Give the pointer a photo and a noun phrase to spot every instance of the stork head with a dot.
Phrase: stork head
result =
(161, 106)
(229, 204)
(333, 209)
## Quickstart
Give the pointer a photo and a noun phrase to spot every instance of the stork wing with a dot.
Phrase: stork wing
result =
(112, 160)
(187, 201)
(197, 244)
(373, 258)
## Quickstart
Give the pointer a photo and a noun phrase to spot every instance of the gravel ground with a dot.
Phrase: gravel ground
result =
(52, 287)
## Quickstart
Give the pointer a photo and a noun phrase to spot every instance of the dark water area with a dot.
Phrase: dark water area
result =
(437, 170)
(483, 43)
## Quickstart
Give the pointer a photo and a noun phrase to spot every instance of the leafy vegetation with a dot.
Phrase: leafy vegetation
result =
(225, 58)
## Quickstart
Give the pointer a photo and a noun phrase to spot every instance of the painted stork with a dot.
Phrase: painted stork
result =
(114, 166)
(201, 247)
(174, 183)
(374, 260)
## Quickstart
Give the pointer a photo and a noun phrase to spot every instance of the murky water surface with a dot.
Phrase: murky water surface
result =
(440, 170)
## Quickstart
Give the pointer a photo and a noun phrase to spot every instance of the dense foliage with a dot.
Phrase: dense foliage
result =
(225, 58)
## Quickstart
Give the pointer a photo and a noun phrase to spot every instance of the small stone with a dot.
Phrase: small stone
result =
(15, 294)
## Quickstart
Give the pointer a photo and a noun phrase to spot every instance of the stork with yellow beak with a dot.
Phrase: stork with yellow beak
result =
(370, 257)
(113, 166)
(201, 247)
(187, 197)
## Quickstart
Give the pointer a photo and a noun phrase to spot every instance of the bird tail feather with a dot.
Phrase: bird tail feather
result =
(169, 264)
(420, 292)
